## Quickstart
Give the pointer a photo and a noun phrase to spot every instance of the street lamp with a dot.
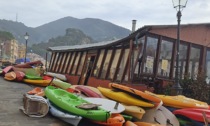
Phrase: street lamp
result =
(179, 5)
(26, 36)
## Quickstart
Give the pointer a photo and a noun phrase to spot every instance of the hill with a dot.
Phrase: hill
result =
(97, 29)
(72, 37)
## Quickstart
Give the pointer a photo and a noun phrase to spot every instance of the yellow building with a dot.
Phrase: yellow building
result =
(10, 50)
(21, 50)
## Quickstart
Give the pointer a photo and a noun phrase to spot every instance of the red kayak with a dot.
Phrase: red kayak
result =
(7, 69)
(88, 92)
(19, 75)
(193, 113)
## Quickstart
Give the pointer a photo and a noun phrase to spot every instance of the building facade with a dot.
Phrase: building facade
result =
(144, 58)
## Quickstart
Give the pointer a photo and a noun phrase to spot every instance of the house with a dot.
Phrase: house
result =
(146, 57)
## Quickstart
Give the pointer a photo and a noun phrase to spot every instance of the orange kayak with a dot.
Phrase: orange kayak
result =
(143, 95)
(113, 120)
(10, 76)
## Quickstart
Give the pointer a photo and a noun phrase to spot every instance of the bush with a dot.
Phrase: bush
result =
(196, 88)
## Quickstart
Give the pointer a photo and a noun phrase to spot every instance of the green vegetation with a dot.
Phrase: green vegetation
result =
(196, 88)
(6, 36)
(193, 88)
(72, 37)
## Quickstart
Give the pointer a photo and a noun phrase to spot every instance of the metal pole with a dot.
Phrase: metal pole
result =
(177, 87)
(26, 50)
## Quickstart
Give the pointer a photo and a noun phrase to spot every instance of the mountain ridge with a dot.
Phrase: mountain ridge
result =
(97, 29)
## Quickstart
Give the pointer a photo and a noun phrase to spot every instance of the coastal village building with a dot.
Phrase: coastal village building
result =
(9, 51)
(144, 58)
(21, 50)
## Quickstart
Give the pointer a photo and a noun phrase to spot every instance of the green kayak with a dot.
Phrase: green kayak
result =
(70, 102)
(33, 77)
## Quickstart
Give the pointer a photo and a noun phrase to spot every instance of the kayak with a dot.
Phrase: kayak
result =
(37, 82)
(69, 118)
(75, 104)
(123, 97)
(140, 94)
(10, 76)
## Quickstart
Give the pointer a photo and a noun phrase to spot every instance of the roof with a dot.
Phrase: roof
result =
(84, 46)
(98, 44)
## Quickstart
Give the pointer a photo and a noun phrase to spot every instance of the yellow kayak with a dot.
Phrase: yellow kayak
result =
(37, 82)
(180, 101)
(124, 97)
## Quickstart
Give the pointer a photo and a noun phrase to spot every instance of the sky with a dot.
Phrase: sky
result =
(34, 13)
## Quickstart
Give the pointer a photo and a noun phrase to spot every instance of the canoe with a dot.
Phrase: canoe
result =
(56, 75)
(145, 96)
(106, 104)
(129, 123)
(193, 113)
(37, 91)
(123, 97)
(7, 69)
(33, 77)
(19, 75)
(91, 88)
(10, 76)
(69, 118)
(113, 120)
(171, 118)
(61, 84)
(45, 77)
(161, 115)
(134, 111)
(37, 82)
(154, 115)
(88, 92)
(70, 103)
(180, 101)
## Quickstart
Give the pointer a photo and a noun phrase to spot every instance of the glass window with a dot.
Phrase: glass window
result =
(81, 63)
(182, 60)
(52, 60)
(165, 58)
(99, 62)
(71, 62)
(139, 58)
(62, 63)
(208, 65)
(67, 62)
(55, 62)
(114, 63)
(123, 62)
(106, 64)
(150, 55)
(194, 62)
(58, 66)
(76, 63)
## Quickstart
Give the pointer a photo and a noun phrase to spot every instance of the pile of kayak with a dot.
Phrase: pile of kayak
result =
(117, 105)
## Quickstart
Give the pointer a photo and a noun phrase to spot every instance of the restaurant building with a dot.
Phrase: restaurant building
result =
(144, 58)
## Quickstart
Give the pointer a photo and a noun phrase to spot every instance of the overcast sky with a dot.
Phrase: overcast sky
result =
(34, 13)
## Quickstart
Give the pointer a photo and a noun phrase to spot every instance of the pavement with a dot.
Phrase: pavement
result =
(11, 99)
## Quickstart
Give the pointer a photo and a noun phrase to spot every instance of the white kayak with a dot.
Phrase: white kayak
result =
(57, 75)
(109, 105)
(71, 119)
